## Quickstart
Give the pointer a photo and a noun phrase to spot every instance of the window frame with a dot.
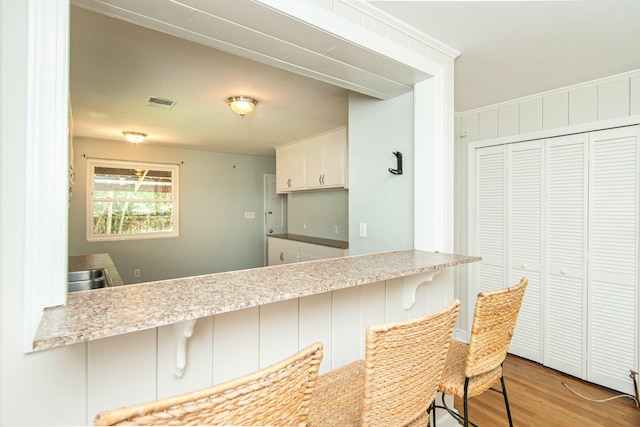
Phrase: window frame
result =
(174, 169)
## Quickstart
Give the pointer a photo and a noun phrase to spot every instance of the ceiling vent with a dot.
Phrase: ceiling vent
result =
(165, 104)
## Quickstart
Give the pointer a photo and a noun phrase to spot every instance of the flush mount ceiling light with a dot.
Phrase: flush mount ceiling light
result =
(135, 137)
(242, 105)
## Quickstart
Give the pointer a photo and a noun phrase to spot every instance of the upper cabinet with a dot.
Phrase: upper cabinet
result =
(289, 168)
(314, 163)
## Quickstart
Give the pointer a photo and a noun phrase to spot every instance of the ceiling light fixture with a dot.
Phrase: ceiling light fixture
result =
(135, 137)
(241, 104)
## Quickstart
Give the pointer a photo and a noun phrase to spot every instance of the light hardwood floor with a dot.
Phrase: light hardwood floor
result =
(537, 397)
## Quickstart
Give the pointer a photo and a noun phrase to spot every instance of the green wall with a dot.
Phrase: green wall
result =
(376, 197)
(215, 191)
(320, 211)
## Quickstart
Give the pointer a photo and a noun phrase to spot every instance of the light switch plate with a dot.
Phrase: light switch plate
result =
(249, 215)
(363, 229)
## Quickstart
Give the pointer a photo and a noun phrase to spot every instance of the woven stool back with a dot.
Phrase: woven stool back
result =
(494, 322)
(278, 395)
(403, 364)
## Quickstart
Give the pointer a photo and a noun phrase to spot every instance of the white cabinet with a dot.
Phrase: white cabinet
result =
(563, 212)
(285, 251)
(289, 168)
(325, 166)
(314, 163)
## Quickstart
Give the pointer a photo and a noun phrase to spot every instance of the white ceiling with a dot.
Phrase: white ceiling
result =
(509, 49)
(116, 66)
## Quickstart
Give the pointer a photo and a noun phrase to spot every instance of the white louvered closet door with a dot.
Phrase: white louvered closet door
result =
(613, 258)
(565, 254)
(488, 229)
(524, 243)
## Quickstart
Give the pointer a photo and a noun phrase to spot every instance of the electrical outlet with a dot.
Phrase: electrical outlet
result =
(335, 229)
(136, 272)
(304, 225)
(363, 229)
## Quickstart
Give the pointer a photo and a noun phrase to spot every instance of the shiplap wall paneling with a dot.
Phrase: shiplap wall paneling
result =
(634, 94)
(278, 324)
(613, 257)
(555, 110)
(530, 115)
(113, 363)
(565, 249)
(613, 99)
(583, 105)
(460, 212)
(508, 120)
(469, 128)
(435, 295)
(347, 332)
(198, 371)
(236, 344)
(488, 124)
(374, 305)
(524, 239)
(62, 393)
(315, 325)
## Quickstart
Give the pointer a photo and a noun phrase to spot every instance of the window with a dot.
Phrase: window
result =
(129, 200)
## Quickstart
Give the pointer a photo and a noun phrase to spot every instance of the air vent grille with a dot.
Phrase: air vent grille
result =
(165, 104)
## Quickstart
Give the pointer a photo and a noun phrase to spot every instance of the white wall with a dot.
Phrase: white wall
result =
(215, 191)
(320, 211)
(28, 382)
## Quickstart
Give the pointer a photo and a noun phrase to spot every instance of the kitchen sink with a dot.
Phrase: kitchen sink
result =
(86, 280)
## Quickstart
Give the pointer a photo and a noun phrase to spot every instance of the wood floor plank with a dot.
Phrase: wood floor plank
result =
(537, 397)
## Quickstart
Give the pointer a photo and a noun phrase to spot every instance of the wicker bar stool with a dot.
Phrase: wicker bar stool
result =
(473, 368)
(396, 383)
(278, 395)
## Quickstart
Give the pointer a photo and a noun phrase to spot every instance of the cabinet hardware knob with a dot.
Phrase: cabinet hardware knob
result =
(524, 266)
(563, 271)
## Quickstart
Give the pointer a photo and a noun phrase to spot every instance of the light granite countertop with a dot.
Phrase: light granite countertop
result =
(340, 244)
(107, 312)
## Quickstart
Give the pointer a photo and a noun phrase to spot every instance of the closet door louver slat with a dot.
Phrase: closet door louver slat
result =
(566, 214)
(524, 242)
(613, 258)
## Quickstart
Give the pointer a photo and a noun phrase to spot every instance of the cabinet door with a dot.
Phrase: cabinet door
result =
(487, 228)
(565, 249)
(524, 237)
(281, 251)
(313, 163)
(325, 166)
(333, 165)
(613, 258)
(289, 168)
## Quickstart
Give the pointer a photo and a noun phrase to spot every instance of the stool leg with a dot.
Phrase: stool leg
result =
(506, 401)
(466, 403)
(432, 411)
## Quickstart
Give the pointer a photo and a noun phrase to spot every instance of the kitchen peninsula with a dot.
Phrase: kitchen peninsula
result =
(109, 312)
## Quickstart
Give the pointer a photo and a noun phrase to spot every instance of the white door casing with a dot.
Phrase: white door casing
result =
(275, 212)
